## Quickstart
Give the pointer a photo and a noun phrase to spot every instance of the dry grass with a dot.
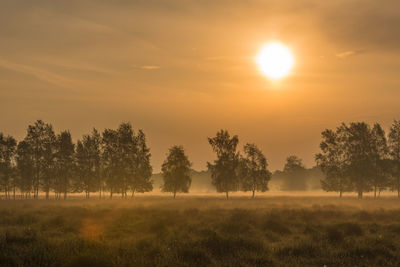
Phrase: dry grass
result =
(199, 231)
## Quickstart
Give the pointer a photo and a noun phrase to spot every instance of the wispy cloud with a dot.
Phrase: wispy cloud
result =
(347, 54)
(40, 74)
(147, 67)
(150, 67)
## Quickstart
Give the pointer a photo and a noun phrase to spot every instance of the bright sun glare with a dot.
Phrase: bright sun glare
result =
(275, 60)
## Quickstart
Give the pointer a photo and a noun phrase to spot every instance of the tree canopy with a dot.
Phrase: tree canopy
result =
(176, 171)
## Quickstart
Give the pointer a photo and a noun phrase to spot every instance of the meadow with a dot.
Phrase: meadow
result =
(201, 231)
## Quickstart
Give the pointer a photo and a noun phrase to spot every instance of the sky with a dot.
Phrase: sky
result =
(182, 70)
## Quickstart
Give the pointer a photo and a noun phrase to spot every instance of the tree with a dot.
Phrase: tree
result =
(88, 156)
(8, 147)
(126, 155)
(253, 170)
(381, 163)
(176, 171)
(332, 161)
(360, 153)
(64, 157)
(394, 149)
(223, 171)
(294, 174)
(126, 160)
(25, 168)
(293, 164)
(141, 178)
(96, 154)
(111, 162)
(41, 140)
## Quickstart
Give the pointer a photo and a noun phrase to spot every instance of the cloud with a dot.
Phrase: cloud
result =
(150, 67)
(36, 72)
(346, 54)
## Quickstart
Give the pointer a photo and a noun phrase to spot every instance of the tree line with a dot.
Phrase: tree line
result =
(115, 161)
(359, 158)
(354, 158)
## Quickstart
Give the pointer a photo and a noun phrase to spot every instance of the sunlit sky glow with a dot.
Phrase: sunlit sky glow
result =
(181, 70)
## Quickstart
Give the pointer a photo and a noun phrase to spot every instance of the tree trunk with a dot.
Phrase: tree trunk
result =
(375, 192)
(340, 194)
(254, 193)
(111, 193)
(174, 194)
(360, 194)
(133, 193)
(226, 194)
(47, 194)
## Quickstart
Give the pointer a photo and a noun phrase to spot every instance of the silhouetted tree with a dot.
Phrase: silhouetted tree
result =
(176, 171)
(142, 169)
(332, 161)
(254, 175)
(8, 181)
(359, 145)
(97, 160)
(64, 161)
(294, 174)
(25, 168)
(223, 171)
(126, 153)
(126, 160)
(381, 162)
(112, 169)
(41, 139)
(88, 156)
(394, 148)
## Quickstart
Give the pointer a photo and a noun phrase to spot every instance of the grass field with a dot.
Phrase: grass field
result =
(201, 231)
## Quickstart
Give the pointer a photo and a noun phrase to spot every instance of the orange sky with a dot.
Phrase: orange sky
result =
(181, 70)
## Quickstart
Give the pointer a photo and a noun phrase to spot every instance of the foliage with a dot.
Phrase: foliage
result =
(41, 140)
(224, 170)
(254, 175)
(354, 158)
(176, 171)
(332, 161)
(8, 146)
(294, 175)
(64, 164)
(43, 162)
(88, 156)
(394, 148)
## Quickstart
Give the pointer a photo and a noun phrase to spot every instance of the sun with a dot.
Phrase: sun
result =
(275, 60)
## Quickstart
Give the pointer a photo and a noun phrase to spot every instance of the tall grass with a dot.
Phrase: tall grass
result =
(158, 231)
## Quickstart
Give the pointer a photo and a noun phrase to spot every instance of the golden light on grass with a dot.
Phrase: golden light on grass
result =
(275, 60)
